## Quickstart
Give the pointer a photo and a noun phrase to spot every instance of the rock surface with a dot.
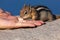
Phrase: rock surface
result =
(49, 31)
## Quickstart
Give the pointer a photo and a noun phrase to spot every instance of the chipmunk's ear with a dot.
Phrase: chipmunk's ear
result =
(25, 5)
(30, 8)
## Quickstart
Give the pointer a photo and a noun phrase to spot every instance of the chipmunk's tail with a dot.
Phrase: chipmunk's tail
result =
(57, 17)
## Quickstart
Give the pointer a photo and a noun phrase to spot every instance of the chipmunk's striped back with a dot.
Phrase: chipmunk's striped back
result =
(38, 8)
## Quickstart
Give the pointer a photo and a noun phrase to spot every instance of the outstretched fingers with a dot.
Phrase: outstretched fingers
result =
(25, 24)
(37, 23)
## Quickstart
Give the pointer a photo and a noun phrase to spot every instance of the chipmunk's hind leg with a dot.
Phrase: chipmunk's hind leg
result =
(43, 15)
(50, 16)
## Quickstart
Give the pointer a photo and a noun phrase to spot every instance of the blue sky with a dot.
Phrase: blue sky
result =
(14, 6)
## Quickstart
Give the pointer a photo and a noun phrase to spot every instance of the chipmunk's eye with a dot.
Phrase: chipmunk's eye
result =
(25, 12)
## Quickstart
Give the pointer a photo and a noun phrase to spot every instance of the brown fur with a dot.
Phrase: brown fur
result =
(29, 12)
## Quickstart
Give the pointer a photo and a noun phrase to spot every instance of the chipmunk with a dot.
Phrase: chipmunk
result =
(37, 13)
